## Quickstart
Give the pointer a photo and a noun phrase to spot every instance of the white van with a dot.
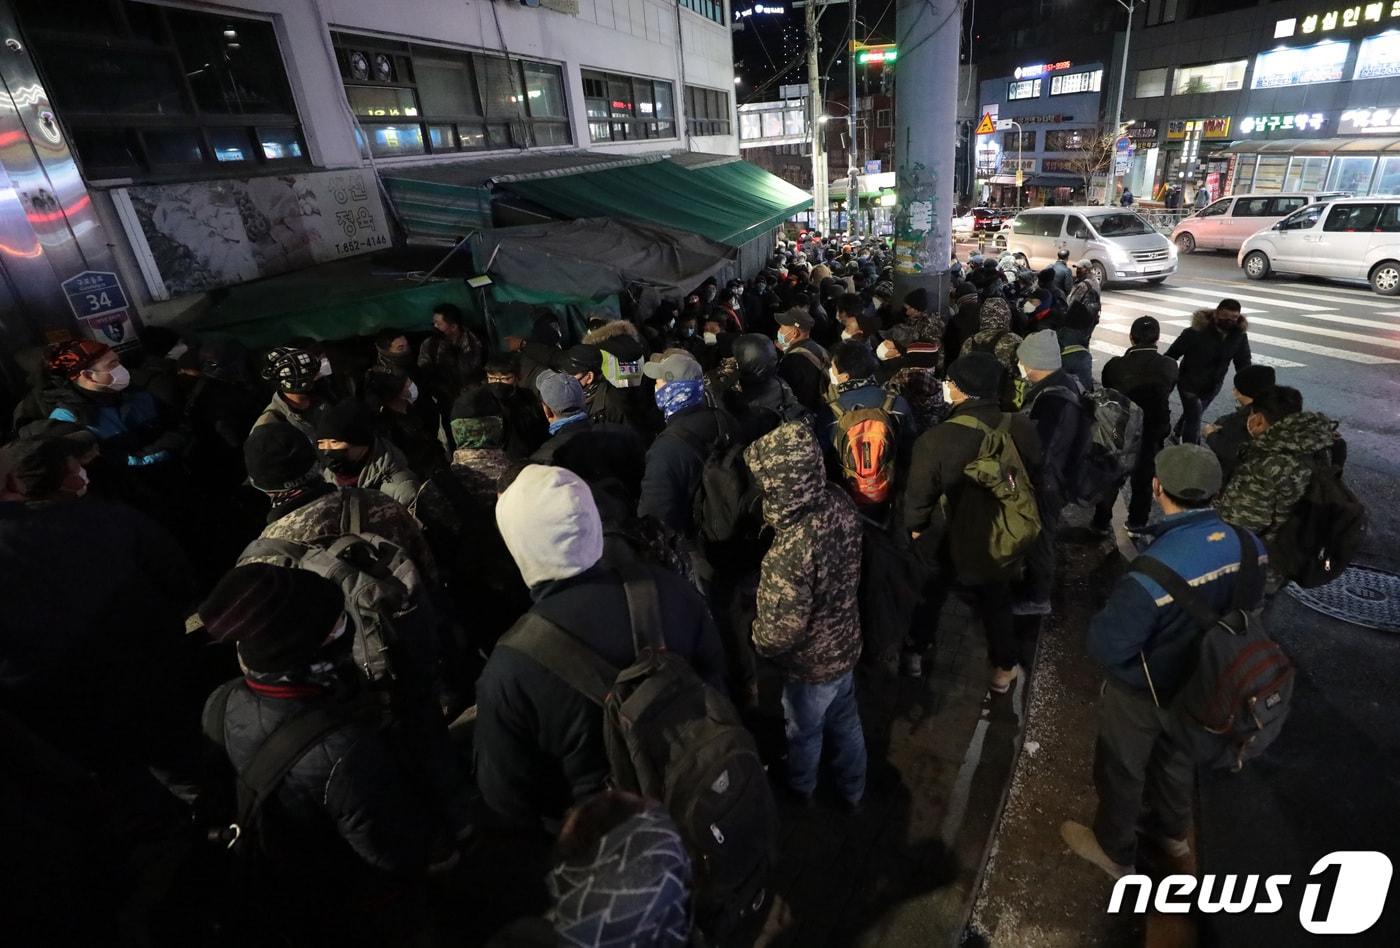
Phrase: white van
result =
(1121, 244)
(1226, 224)
(1351, 238)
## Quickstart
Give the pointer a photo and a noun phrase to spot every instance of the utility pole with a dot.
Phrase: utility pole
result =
(927, 37)
(853, 159)
(1118, 104)
(821, 202)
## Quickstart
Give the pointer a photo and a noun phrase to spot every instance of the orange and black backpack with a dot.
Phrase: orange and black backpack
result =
(865, 446)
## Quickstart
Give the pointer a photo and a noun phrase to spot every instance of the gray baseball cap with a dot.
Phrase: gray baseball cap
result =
(1189, 471)
(674, 366)
(562, 393)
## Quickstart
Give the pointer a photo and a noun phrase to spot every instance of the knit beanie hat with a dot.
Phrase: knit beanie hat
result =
(978, 374)
(279, 617)
(349, 421)
(550, 524)
(917, 299)
(1041, 351)
(69, 359)
(1254, 380)
(279, 457)
(291, 369)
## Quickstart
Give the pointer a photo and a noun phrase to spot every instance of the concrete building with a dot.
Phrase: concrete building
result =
(177, 148)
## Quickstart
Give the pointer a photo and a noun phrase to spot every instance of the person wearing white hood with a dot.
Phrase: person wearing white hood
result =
(539, 743)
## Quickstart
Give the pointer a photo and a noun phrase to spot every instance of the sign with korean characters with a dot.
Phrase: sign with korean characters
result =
(1263, 124)
(1212, 128)
(98, 300)
(1340, 18)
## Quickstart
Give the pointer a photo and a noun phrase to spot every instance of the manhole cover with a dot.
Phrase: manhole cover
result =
(1361, 596)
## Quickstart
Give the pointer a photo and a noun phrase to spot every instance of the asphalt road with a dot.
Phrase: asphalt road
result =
(1338, 343)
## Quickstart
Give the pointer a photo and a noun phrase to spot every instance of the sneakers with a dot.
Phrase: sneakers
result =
(911, 664)
(1003, 679)
(1082, 842)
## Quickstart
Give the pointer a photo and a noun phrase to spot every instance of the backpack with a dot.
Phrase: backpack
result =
(672, 738)
(1234, 701)
(381, 584)
(997, 519)
(1116, 441)
(1322, 533)
(728, 504)
(865, 446)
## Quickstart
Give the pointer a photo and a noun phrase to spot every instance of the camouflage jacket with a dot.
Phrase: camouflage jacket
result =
(923, 391)
(320, 520)
(447, 366)
(1273, 473)
(808, 619)
(476, 470)
(994, 333)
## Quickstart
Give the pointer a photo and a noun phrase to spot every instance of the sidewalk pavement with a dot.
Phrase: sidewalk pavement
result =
(901, 873)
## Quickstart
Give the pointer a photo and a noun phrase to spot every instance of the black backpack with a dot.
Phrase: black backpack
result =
(1232, 704)
(1322, 533)
(672, 738)
(728, 505)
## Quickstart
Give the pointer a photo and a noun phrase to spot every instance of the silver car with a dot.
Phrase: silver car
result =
(1120, 244)
(1349, 239)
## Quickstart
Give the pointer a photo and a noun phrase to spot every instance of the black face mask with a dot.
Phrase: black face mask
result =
(397, 359)
(500, 389)
(338, 461)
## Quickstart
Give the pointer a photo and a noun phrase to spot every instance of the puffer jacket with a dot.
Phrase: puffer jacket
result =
(1274, 473)
(347, 797)
(387, 471)
(1206, 352)
(808, 619)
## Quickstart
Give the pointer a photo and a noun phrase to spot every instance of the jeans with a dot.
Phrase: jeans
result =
(1137, 765)
(1193, 407)
(826, 711)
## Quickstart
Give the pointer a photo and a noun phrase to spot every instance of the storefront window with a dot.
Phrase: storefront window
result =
(1351, 174)
(1379, 57)
(1244, 174)
(1151, 83)
(1213, 77)
(1324, 62)
(1306, 173)
(1076, 82)
(1268, 176)
(1388, 177)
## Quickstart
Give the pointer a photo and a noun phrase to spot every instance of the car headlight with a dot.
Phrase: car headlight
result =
(1117, 254)
(1171, 251)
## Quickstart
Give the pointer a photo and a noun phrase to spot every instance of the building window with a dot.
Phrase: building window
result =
(1073, 139)
(628, 108)
(1151, 83)
(707, 112)
(1076, 82)
(1277, 68)
(884, 118)
(1161, 11)
(1025, 89)
(1306, 173)
(1388, 177)
(710, 9)
(1010, 141)
(149, 91)
(413, 100)
(1213, 77)
(1379, 57)
(1352, 175)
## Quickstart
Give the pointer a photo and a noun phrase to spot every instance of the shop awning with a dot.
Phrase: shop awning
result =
(1054, 181)
(730, 202)
(1313, 146)
(331, 301)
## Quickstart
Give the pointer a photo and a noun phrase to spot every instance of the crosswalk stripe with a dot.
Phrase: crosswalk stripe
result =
(1333, 288)
(1317, 293)
(1208, 299)
(1131, 307)
(1107, 347)
(1388, 325)
(1119, 327)
(1371, 339)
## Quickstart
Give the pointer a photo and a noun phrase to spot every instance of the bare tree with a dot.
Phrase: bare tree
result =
(1094, 155)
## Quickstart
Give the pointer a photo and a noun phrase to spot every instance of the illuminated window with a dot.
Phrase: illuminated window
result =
(624, 108)
(1025, 89)
(1213, 77)
(149, 92)
(1379, 57)
(1297, 66)
(1076, 82)
(1151, 83)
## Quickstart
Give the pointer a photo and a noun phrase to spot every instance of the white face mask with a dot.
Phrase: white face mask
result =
(1021, 367)
(711, 339)
(887, 351)
(846, 334)
(325, 368)
(177, 350)
(835, 379)
(121, 378)
(82, 473)
(412, 393)
(1029, 306)
(947, 392)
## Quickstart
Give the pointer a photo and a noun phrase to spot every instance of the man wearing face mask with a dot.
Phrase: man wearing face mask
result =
(804, 362)
(298, 400)
(1215, 339)
(355, 456)
(87, 388)
(396, 396)
(449, 359)
(677, 457)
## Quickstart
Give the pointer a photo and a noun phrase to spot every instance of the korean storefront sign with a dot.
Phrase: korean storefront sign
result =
(1342, 18)
(1212, 128)
(1369, 122)
(1299, 122)
(1142, 132)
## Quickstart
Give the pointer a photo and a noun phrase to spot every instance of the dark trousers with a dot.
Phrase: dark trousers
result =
(990, 603)
(1140, 485)
(1040, 559)
(1142, 775)
(1193, 407)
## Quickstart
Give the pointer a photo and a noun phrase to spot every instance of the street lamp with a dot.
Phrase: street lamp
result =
(1130, 6)
(1020, 165)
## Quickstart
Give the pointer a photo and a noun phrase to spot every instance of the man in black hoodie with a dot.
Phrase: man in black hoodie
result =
(1214, 339)
(1147, 377)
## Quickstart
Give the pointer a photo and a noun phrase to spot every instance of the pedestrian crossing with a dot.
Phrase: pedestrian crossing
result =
(1287, 322)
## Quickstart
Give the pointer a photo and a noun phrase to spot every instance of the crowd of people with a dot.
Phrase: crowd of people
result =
(338, 540)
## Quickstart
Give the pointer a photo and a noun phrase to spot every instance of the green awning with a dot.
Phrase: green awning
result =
(331, 301)
(731, 202)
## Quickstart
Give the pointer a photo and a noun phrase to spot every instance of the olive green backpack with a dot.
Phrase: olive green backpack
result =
(996, 520)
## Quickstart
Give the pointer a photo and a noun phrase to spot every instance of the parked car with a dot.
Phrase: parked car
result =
(1226, 224)
(990, 219)
(1120, 243)
(1350, 238)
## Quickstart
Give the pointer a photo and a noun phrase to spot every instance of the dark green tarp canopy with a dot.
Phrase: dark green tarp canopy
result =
(731, 202)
